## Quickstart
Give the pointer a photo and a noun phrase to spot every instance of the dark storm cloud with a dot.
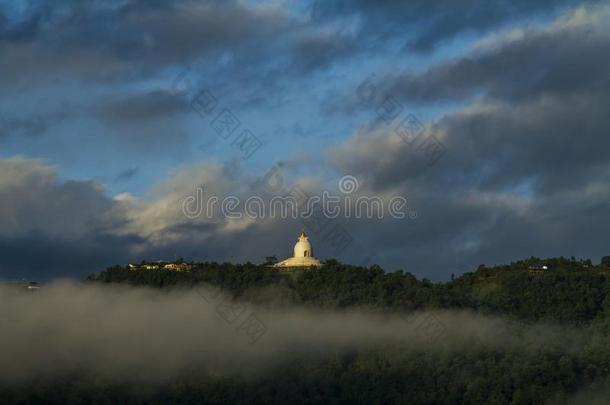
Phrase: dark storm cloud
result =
(320, 50)
(423, 23)
(51, 228)
(37, 256)
(554, 143)
(123, 39)
(33, 200)
(544, 104)
(526, 171)
(556, 62)
(550, 143)
(244, 52)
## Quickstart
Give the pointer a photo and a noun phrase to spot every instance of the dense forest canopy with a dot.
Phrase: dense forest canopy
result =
(560, 289)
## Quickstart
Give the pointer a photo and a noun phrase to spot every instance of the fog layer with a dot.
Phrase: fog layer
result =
(150, 335)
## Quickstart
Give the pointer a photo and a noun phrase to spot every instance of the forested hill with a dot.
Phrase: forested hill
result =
(546, 340)
(560, 290)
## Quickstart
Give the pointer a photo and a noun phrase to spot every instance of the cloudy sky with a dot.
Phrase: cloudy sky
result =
(489, 117)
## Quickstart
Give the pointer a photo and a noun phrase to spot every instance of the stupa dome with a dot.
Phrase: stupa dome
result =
(303, 255)
(303, 247)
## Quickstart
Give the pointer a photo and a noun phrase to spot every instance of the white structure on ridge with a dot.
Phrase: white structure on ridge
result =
(303, 255)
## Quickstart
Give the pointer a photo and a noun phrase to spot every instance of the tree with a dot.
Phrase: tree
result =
(270, 260)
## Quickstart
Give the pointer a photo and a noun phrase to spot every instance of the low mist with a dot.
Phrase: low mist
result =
(146, 335)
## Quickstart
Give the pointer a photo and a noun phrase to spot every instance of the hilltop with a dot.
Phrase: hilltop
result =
(554, 289)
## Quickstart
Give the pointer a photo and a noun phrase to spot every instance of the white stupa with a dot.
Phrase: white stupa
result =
(303, 255)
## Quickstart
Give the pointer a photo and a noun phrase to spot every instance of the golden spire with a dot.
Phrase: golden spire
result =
(302, 235)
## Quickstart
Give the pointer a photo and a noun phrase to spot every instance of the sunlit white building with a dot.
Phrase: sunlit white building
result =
(303, 255)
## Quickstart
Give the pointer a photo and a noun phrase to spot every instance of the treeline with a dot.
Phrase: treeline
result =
(560, 290)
